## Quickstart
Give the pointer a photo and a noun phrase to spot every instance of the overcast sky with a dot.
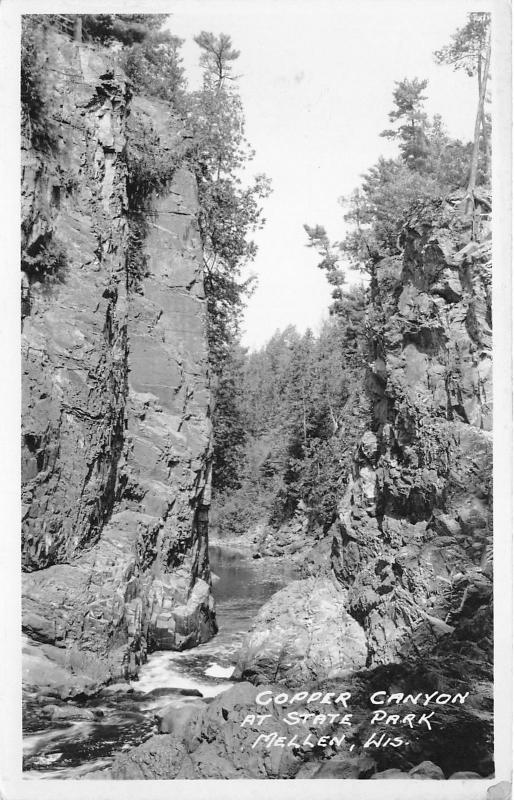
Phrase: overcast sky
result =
(317, 81)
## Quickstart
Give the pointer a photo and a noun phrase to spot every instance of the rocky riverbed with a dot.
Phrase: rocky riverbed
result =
(69, 738)
(191, 714)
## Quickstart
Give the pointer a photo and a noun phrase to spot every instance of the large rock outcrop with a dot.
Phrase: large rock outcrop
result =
(228, 739)
(413, 542)
(303, 634)
(116, 402)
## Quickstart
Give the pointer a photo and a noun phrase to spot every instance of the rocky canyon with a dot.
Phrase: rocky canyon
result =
(338, 483)
(116, 403)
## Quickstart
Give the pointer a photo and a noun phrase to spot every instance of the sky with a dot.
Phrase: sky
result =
(316, 80)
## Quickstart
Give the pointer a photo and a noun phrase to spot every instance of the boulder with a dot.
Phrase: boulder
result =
(427, 771)
(342, 766)
(303, 633)
(175, 717)
(159, 758)
(316, 560)
(369, 445)
(465, 775)
(390, 775)
(68, 712)
(53, 672)
(163, 691)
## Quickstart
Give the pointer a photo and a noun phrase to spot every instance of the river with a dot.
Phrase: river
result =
(69, 748)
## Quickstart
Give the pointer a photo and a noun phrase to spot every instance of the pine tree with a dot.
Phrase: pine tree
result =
(408, 111)
(217, 56)
(229, 423)
(229, 212)
(470, 50)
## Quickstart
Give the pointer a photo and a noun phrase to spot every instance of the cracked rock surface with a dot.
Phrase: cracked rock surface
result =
(116, 399)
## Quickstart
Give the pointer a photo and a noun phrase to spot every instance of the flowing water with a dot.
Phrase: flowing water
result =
(121, 719)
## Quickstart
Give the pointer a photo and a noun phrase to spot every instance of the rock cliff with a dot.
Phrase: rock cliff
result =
(116, 401)
(414, 538)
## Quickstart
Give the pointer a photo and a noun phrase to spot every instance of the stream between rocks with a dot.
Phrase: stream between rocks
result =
(84, 737)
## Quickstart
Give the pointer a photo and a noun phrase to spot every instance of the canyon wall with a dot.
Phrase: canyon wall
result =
(116, 430)
(414, 541)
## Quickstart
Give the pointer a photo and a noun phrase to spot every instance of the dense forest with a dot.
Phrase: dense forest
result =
(283, 433)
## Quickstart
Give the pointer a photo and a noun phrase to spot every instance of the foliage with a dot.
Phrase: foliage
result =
(124, 28)
(470, 50)
(217, 55)
(296, 451)
(375, 214)
(377, 210)
(330, 257)
(136, 258)
(229, 423)
(149, 165)
(467, 47)
(154, 67)
(430, 164)
(448, 159)
(229, 211)
(408, 111)
(227, 214)
(215, 116)
(35, 96)
(45, 260)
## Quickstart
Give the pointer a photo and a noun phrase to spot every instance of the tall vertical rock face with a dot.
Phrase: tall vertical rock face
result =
(413, 546)
(116, 403)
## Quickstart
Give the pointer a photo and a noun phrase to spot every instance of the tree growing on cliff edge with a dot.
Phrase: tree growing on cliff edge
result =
(412, 130)
(374, 215)
(330, 253)
(470, 50)
(217, 56)
(154, 67)
(124, 28)
(229, 211)
(430, 164)
(33, 94)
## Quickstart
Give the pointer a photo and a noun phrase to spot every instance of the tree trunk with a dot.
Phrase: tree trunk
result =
(478, 125)
(304, 415)
(487, 146)
(485, 137)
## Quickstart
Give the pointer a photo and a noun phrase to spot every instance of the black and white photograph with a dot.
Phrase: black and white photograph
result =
(263, 249)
